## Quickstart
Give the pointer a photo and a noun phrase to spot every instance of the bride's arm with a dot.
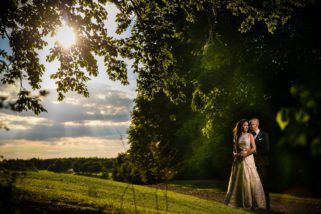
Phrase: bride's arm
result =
(235, 152)
(234, 148)
(253, 147)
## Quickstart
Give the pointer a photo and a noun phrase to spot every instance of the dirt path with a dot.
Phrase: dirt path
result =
(278, 204)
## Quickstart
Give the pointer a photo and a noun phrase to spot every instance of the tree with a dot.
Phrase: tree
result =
(154, 147)
(125, 170)
(225, 75)
(25, 23)
(60, 165)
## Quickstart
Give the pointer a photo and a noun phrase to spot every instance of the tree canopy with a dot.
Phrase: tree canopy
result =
(153, 24)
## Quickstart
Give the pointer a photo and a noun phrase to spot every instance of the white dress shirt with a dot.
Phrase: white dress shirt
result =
(257, 132)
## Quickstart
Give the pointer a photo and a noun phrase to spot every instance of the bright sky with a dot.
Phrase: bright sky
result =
(76, 127)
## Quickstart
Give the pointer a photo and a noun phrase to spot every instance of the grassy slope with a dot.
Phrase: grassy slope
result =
(82, 192)
(206, 185)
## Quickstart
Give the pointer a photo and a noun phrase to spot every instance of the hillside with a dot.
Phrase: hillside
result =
(54, 192)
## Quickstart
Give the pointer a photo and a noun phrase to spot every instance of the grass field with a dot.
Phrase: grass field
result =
(72, 192)
(207, 185)
(220, 187)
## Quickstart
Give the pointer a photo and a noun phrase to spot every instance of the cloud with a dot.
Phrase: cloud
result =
(103, 104)
(9, 91)
(97, 123)
(105, 113)
(68, 100)
(59, 131)
(63, 147)
(109, 103)
(20, 122)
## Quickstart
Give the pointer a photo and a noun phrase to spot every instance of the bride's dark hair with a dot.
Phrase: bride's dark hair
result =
(237, 131)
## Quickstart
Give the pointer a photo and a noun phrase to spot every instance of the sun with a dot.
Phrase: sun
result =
(65, 36)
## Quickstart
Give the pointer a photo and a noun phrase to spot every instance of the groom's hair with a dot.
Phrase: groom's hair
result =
(256, 119)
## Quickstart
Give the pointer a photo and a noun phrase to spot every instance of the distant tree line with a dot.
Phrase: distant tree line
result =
(77, 165)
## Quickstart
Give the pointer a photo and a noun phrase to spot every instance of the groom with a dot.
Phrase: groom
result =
(261, 155)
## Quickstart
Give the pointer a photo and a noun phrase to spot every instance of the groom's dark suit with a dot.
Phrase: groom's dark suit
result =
(262, 161)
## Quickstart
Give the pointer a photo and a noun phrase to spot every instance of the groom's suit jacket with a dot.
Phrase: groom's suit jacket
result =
(262, 149)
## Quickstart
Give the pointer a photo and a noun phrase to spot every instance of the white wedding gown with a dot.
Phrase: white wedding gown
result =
(245, 189)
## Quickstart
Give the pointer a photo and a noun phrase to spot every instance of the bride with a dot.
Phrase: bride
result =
(244, 189)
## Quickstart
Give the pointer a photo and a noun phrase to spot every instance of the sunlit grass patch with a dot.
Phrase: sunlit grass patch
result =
(100, 194)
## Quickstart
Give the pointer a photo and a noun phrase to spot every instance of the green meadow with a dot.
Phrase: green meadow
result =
(86, 194)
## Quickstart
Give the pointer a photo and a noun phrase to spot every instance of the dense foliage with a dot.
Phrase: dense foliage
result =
(218, 75)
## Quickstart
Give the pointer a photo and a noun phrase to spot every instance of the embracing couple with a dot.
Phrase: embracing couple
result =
(247, 186)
